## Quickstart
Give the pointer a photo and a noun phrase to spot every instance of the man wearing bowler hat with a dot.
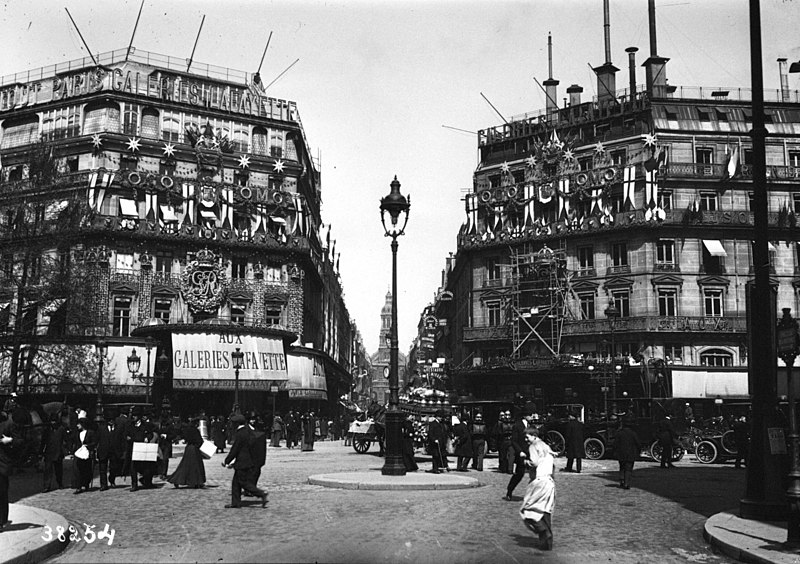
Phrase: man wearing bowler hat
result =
(242, 461)
(140, 430)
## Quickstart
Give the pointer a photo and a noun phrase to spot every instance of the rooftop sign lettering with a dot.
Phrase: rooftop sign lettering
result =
(152, 83)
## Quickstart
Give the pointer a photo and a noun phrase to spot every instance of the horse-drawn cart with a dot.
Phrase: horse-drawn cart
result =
(363, 434)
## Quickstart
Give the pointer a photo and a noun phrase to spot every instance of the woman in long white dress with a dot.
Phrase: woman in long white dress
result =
(540, 495)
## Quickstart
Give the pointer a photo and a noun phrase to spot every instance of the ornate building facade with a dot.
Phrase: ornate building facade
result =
(172, 212)
(608, 243)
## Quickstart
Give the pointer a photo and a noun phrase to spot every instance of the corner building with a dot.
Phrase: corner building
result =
(172, 212)
(607, 248)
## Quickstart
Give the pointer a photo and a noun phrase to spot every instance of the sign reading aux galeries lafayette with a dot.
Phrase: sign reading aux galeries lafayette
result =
(145, 81)
(204, 361)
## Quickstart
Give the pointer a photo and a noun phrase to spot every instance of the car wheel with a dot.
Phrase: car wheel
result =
(594, 447)
(706, 452)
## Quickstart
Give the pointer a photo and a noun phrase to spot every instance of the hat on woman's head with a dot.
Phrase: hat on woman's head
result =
(238, 420)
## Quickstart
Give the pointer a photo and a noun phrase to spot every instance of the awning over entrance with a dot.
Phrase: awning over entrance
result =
(715, 247)
(306, 375)
(708, 384)
(203, 361)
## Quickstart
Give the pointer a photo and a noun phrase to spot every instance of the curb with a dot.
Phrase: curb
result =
(375, 481)
(31, 548)
(721, 531)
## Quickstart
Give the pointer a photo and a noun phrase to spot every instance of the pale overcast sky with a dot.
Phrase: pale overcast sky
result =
(377, 80)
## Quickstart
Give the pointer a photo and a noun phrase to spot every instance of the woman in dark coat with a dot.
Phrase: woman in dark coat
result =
(463, 444)
(190, 471)
(218, 432)
(408, 444)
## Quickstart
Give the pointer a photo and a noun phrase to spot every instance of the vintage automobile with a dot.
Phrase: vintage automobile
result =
(552, 428)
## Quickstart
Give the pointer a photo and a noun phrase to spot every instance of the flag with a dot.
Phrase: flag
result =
(732, 166)
(563, 195)
(530, 198)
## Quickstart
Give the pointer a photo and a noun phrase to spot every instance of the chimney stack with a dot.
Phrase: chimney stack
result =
(655, 66)
(785, 95)
(574, 92)
(606, 73)
(551, 85)
(631, 51)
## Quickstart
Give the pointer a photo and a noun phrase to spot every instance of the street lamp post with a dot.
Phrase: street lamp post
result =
(787, 351)
(134, 362)
(237, 358)
(397, 206)
(102, 348)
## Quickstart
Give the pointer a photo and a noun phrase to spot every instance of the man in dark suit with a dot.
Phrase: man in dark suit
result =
(11, 443)
(573, 437)
(627, 449)
(84, 448)
(258, 446)
(111, 450)
(54, 448)
(666, 437)
(140, 430)
(519, 443)
(242, 461)
(437, 440)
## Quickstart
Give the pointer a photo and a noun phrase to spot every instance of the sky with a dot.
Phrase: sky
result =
(383, 88)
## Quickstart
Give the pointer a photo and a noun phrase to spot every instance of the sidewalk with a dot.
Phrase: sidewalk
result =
(374, 480)
(751, 541)
(23, 539)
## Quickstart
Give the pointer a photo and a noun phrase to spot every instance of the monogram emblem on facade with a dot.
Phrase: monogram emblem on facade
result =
(203, 283)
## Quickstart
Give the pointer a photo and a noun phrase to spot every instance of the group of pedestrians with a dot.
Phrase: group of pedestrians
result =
(467, 439)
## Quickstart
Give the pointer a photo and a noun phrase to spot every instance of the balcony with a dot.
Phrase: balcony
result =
(716, 171)
(497, 333)
(619, 269)
(682, 324)
(585, 273)
(666, 267)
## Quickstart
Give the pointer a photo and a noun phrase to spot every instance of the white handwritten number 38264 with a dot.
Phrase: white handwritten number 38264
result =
(89, 536)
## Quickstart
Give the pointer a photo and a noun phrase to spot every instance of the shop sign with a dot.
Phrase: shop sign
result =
(201, 356)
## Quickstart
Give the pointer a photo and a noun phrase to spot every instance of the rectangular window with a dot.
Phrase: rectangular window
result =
(238, 267)
(622, 301)
(619, 254)
(673, 353)
(164, 262)
(492, 271)
(618, 157)
(712, 299)
(161, 308)
(665, 251)
(238, 312)
(586, 258)
(122, 317)
(750, 199)
(667, 302)
(273, 313)
(703, 114)
(493, 314)
(665, 199)
(272, 273)
(587, 305)
(708, 201)
(747, 157)
(704, 155)
(794, 158)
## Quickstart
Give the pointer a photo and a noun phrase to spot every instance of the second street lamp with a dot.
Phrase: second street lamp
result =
(134, 363)
(397, 207)
(237, 359)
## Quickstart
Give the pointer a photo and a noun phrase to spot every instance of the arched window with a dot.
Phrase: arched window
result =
(716, 357)
(276, 144)
(150, 125)
(171, 126)
(130, 120)
(241, 138)
(259, 141)
(99, 117)
(20, 132)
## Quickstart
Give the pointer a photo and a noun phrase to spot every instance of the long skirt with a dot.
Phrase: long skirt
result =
(540, 498)
(190, 471)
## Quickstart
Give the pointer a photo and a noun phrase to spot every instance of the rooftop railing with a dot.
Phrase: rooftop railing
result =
(136, 56)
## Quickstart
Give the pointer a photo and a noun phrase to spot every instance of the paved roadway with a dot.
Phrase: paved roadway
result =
(659, 520)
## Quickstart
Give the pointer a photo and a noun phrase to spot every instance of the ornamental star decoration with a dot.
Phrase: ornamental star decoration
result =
(569, 155)
(97, 141)
(244, 161)
(650, 140)
(278, 166)
(169, 150)
(599, 149)
(133, 144)
(531, 161)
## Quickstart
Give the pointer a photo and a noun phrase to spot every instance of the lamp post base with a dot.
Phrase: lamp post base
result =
(393, 463)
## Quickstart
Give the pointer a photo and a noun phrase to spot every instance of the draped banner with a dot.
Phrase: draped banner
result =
(204, 361)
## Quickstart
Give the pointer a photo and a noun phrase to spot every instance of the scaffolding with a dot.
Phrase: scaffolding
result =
(538, 304)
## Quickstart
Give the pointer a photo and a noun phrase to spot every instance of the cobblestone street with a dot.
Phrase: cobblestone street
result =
(659, 520)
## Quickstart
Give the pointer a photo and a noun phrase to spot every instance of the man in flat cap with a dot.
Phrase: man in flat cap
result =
(242, 461)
